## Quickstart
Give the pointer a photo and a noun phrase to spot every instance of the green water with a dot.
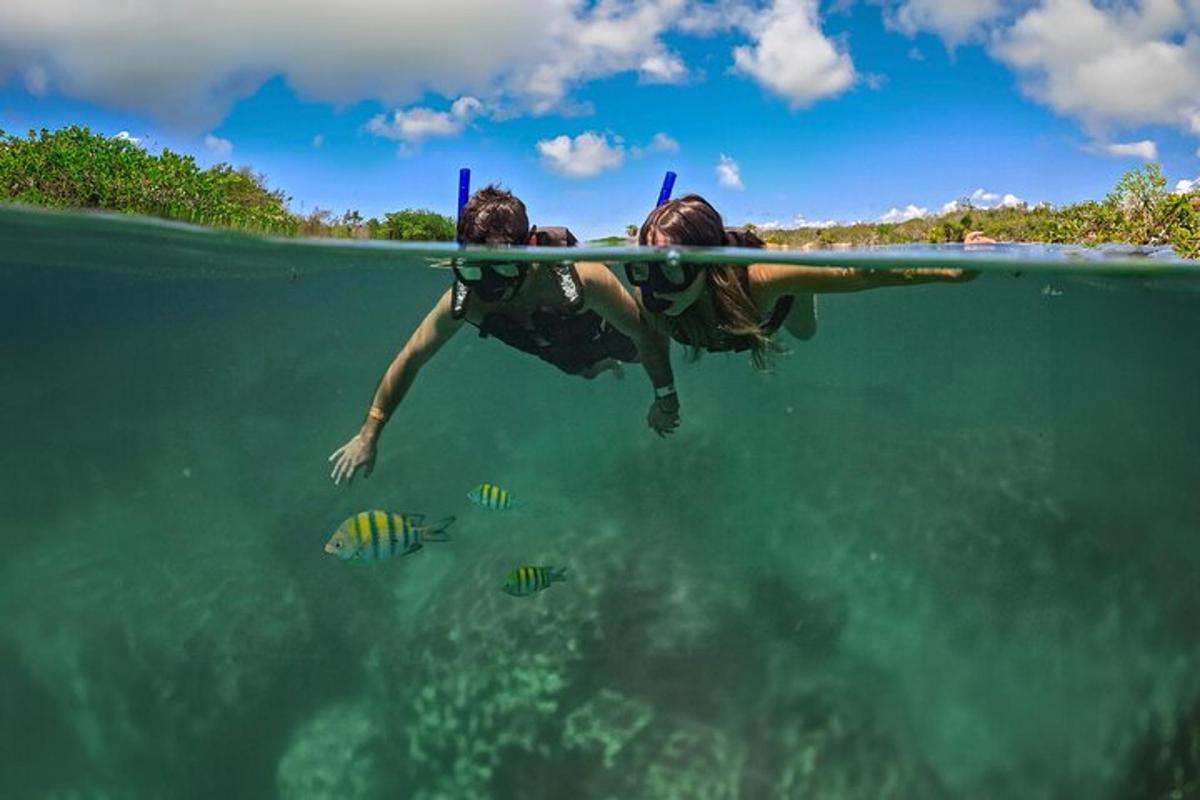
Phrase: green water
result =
(947, 549)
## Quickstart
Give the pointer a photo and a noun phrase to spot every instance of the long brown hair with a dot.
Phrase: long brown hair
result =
(690, 220)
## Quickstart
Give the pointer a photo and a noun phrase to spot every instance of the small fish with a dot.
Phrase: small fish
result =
(524, 581)
(489, 495)
(373, 536)
(1050, 291)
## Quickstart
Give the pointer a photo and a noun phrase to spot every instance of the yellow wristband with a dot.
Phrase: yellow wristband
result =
(376, 414)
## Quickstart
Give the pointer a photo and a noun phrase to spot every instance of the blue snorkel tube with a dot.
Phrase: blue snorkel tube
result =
(464, 192)
(664, 194)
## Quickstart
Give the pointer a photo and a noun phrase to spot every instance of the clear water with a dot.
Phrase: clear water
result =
(947, 549)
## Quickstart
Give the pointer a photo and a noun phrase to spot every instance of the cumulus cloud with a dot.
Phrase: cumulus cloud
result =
(1116, 63)
(1186, 186)
(791, 56)
(729, 174)
(662, 143)
(1145, 149)
(905, 214)
(221, 148)
(186, 63)
(662, 68)
(412, 126)
(799, 221)
(953, 20)
(586, 155)
(124, 136)
(981, 198)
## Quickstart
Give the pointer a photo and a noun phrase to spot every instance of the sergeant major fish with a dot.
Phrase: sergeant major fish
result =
(373, 536)
(489, 495)
(524, 581)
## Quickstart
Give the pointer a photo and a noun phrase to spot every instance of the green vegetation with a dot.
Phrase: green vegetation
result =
(1139, 210)
(75, 168)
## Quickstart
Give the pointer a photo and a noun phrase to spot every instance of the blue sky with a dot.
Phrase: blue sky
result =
(776, 110)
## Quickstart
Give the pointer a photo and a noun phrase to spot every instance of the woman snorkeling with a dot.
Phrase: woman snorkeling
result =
(737, 308)
(577, 317)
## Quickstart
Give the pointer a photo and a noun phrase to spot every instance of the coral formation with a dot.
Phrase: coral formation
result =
(339, 754)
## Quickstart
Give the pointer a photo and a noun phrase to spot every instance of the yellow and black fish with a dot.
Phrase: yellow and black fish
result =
(373, 536)
(489, 495)
(524, 581)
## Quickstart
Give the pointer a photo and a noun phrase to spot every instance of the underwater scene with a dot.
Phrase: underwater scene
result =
(946, 548)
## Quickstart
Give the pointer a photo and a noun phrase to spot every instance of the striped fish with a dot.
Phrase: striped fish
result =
(373, 536)
(489, 495)
(524, 581)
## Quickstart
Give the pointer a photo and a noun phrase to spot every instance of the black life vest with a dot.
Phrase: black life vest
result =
(561, 333)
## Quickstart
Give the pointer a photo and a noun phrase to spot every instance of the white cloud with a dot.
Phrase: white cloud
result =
(1186, 186)
(981, 198)
(1116, 63)
(186, 63)
(662, 68)
(662, 143)
(221, 148)
(412, 126)
(791, 56)
(1145, 149)
(124, 136)
(318, 141)
(729, 174)
(586, 155)
(37, 80)
(799, 221)
(953, 20)
(904, 214)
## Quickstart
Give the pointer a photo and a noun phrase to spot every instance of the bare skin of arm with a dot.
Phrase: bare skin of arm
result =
(769, 282)
(434, 331)
(607, 297)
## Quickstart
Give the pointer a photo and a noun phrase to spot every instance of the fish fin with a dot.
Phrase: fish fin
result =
(559, 574)
(412, 548)
(415, 519)
(437, 531)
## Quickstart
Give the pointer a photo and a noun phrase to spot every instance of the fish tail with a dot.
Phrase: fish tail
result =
(559, 574)
(436, 532)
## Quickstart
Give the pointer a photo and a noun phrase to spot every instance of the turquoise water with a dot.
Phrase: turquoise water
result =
(946, 549)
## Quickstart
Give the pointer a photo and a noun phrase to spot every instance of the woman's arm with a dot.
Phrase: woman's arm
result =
(605, 295)
(769, 282)
(434, 331)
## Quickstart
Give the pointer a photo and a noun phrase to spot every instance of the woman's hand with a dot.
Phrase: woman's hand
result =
(358, 452)
(664, 415)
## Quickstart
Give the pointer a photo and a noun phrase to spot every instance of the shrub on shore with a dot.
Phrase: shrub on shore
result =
(73, 167)
(1139, 211)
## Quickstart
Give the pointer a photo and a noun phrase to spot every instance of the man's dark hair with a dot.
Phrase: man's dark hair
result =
(493, 216)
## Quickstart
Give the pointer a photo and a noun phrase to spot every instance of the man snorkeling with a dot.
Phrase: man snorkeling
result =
(577, 317)
(737, 308)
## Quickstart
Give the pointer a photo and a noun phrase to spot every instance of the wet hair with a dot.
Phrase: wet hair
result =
(691, 220)
(493, 216)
